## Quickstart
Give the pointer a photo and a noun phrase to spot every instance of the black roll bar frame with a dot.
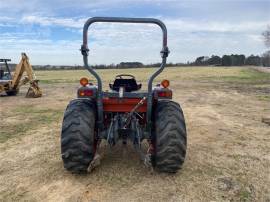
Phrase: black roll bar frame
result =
(164, 54)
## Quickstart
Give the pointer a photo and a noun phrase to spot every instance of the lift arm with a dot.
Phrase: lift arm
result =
(23, 66)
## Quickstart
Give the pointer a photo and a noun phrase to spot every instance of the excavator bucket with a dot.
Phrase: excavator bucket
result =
(34, 90)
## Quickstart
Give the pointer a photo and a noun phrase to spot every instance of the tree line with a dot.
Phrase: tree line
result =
(233, 60)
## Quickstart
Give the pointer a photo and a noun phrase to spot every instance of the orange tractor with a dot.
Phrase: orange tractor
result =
(125, 113)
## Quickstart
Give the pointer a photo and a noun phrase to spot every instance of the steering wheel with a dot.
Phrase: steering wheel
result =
(124, 75)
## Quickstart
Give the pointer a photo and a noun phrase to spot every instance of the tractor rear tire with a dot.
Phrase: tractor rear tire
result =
(12, 92)
(170, 137)
(78, 143)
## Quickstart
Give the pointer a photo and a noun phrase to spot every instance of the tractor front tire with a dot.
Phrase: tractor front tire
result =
(170, 137)
(78, 135)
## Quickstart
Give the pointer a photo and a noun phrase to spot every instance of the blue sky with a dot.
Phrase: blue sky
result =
(51, 31)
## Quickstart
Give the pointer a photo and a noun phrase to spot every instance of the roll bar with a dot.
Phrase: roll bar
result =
(164, 54)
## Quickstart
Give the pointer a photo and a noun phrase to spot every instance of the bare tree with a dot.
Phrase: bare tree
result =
(266, 36)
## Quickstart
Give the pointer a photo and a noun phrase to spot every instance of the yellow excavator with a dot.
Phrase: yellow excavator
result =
(11, 83)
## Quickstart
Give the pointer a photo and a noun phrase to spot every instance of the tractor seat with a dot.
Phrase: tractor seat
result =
(127, 81)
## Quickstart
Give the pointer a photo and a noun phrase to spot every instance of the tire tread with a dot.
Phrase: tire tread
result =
(77, 136)
(170, 137)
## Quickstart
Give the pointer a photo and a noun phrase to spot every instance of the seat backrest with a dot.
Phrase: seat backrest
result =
(128, 84)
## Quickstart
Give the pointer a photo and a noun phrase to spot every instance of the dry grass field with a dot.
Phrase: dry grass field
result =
(228, 157)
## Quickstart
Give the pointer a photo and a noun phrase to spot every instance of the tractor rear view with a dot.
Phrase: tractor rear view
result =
(125, 113)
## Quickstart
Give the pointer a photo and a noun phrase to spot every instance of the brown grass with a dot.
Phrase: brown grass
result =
(228, 145)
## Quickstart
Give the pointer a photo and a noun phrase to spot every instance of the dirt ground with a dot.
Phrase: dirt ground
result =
(228, 157)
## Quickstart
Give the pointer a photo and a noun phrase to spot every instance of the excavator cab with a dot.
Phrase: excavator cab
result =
(5, 70)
